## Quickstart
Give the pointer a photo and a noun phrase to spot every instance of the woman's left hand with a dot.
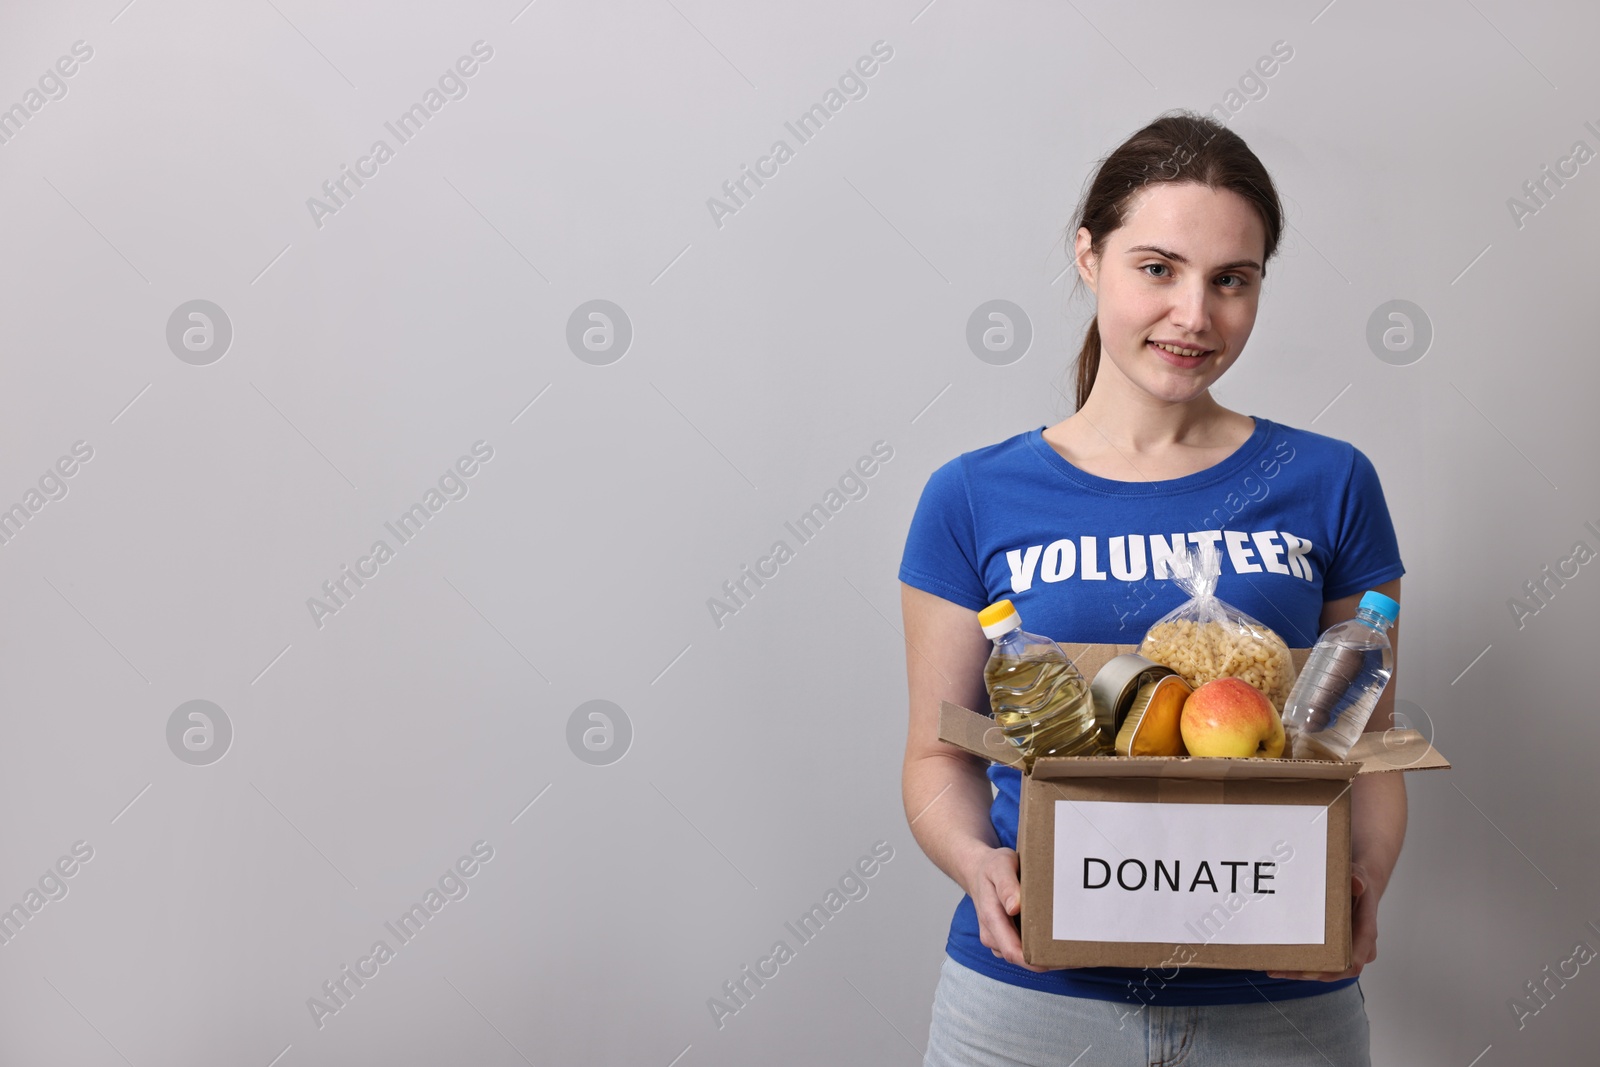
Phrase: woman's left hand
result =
(1363, 931)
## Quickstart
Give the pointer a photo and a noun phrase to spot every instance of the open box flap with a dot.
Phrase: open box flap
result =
(1396, 750)
(977, 734)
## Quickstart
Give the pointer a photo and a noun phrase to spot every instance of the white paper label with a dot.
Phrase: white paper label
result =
(1229, 874)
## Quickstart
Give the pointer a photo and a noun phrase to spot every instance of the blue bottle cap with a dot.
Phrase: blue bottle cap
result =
(1375, 601)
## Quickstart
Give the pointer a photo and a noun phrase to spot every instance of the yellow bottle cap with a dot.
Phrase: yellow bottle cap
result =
(995, 612)
(998, 619)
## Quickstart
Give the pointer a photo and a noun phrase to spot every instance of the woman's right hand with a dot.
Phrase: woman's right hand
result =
(997, 896)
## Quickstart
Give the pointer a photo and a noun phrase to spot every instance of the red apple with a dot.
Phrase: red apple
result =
(1231, 717)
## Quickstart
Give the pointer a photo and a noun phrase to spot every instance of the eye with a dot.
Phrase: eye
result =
(1158, 266)
(1243, 281)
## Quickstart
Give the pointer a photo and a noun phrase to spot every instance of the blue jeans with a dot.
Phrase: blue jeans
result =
(980, 1022)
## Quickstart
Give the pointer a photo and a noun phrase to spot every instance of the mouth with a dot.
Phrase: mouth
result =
(1179, 355)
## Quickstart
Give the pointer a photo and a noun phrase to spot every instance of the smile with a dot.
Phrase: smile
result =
(1180, 357)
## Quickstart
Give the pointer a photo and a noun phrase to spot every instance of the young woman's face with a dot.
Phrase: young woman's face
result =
(1184, 269)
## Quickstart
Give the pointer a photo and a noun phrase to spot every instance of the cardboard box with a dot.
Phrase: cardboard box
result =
(1155, 861)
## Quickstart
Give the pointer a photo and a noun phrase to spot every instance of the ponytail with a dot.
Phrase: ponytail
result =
(1088, 361)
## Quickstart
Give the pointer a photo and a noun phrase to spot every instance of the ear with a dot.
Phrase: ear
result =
(1088, 263)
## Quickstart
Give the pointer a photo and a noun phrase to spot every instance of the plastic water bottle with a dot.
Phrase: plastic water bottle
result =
(1037, 695)
(1334, 696)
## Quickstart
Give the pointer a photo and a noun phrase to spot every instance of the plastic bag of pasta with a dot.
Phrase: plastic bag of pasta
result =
(1206, 638)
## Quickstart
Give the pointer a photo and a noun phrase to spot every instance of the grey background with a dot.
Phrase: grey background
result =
(768, 355)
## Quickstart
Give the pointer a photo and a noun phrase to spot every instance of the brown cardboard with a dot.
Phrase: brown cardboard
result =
(1036, 840)
(1164, 779)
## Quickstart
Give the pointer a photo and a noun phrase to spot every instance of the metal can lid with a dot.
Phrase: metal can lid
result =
(1116, 684)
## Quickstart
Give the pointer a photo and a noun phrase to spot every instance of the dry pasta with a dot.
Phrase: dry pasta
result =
(1205, 651)
(1206, 638)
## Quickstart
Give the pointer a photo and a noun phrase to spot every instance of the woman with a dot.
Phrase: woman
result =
(1174, 235)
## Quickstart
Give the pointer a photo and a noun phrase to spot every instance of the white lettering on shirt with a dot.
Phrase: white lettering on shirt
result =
(1138, 557)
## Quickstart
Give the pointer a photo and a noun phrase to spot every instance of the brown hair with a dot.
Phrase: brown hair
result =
(1179, 147)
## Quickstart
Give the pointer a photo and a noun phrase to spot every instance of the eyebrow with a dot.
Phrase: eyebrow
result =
(1176, 258)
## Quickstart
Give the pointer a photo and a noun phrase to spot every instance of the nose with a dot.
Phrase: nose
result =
(1191, 307)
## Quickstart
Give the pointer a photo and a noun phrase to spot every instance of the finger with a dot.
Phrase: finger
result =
(1364, 936)
(1013, 954)
(1008, 941)
(1364, 949)
(996, 902)
(995, 914)
(1008, 946)
(1003, 940)
(994, 924)
(1011, 951)
(993, 917)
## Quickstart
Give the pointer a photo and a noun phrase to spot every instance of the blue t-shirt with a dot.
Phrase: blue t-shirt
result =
(1299, 519)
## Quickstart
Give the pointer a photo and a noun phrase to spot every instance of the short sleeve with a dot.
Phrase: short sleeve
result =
(941, 554)
(1367, 553)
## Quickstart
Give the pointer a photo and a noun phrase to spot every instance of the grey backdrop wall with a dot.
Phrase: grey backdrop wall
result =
(244, 345)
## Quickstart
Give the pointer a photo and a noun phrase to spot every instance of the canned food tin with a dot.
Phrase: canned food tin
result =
(1114, 687)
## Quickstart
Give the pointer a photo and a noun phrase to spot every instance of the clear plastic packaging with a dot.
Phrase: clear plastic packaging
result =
(1340, 685)
(1206, 638)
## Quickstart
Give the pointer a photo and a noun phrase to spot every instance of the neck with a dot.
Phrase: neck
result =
(1131, 419)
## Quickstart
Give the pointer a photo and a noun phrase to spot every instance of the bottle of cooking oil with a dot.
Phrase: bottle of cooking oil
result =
(1040, 701)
